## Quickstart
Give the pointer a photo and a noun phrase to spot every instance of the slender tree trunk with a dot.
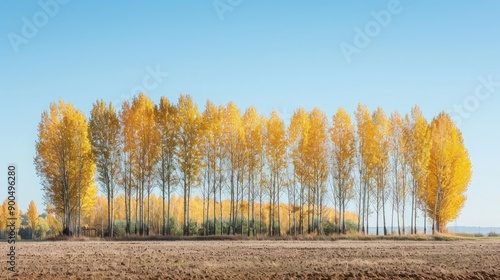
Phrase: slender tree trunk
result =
(141, 208)
(378, 209)
(416, 213)
(383, 214)
(426, 208)
(127, 217)
(141, 204)
(308, 203)
(136, 210)
(320, 212)
(368, 210)
(248, 203)
(220, 199)
(206, 204)
(231, 204)
(436, 217)
(128, 199)
(236, 204)
(260, 211)
(425, 222)
(360, 199)
(337, 210)
(169, 194)
(203, 218)
(363, 202)
(301, 210)
(242, 213)
(207, 224)
(413, 221)
(112, 214)
(163, 193)
(279, 208)
(79, 208)
(184, 226)
(392, 215)
(149, 211)
(270, 209)
(214, 187)
(253, 205)
(317, 209)
(189, 209)
(294, 214)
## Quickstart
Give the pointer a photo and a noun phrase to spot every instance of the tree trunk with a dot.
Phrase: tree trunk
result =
(378, 209)
(185, 232)
(231, 204)
(149, 211)
(109, 213)
(300, 229)
(215, 204)
(248, 203)
(220, 199)
(169, 193)
(368, 210)
(279, 206)
(260, 211)
(270, 232)
(189, 209)
(79, 208)
(436, 217)
(236, 204)
(383, 213)
(253, 205)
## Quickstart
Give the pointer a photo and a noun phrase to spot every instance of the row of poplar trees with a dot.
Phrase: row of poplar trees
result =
(385, 164)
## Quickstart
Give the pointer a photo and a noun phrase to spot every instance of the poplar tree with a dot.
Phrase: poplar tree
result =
(189, 153)
(276, 158)
(166, 117)
(65, 164)
(32, 218)
(450, 172)
(104, 130)
(342, 134)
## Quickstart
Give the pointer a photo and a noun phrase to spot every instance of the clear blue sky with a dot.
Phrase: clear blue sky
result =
(271, 54)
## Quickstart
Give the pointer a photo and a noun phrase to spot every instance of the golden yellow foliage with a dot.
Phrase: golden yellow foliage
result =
(450, 172)
(343, 138)
(168, 127)
(104, 130)
(276, 146)
(238, 159)
(32, 216)
(189, 152)
(64, 162)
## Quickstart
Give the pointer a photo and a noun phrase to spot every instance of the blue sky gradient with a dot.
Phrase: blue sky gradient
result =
(272, 54)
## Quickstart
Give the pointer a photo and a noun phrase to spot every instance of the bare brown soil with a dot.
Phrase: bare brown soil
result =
(258, 260)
